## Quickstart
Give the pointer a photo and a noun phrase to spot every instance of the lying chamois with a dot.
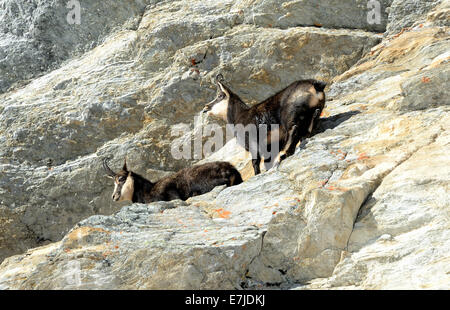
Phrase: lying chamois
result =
(183, 184)
(296, 109)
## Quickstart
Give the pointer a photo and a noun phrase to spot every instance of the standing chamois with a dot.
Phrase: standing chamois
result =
(295, 109)
(183, 184)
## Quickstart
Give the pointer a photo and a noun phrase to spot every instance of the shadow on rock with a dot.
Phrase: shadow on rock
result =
(333, 121)
(329, 123)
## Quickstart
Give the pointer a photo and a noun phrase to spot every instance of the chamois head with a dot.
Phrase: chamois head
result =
(318, 92)
(219, 106)
(123, 182)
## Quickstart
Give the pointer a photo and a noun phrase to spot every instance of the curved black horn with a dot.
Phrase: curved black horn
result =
(107, 169)
(219, 78)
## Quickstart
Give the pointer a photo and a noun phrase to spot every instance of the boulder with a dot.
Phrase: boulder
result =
(38, 36)
(410, 13)
(354, 14)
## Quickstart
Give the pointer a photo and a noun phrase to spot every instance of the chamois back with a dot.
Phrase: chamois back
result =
(295, 110)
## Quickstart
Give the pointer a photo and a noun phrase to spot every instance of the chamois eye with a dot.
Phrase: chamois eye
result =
(122, 179)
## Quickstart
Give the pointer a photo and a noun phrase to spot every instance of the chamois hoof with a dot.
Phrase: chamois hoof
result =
(275, 167)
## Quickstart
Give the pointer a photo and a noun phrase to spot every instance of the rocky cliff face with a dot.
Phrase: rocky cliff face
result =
(362, 204)
(123, 97)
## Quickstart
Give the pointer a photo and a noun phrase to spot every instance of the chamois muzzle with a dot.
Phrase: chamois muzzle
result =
(107, 169)
(116, 196)
(207, 108)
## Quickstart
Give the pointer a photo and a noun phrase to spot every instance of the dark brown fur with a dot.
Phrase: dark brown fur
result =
(183, 184)
(295, 109)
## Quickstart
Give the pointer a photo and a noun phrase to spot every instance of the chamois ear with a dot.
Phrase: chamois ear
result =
(319, 85)
(124, 168)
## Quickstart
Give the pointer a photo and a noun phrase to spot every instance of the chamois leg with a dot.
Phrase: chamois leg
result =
(310, 130)
(283, 153)
(173, 194)
(296, 142)
(314, 118)
(256, 163)
(267, 163)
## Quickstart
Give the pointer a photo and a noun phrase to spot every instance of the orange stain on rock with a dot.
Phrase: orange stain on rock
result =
(362, 156)
(322, 183)
(223, 213)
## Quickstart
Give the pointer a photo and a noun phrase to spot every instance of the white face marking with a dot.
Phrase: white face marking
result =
(115, 189)
(321, 95)
(220, 109)
(313, 101)
(316, 97)
(223, 89)
(127, 189)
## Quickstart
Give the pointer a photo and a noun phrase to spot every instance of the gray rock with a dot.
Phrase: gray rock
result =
(75, 110)
(281, 227)
(361, 202)
(400, 238)
(36, 36)
(403, 14)
(425, 90)
(123, 98)
(329, 14)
